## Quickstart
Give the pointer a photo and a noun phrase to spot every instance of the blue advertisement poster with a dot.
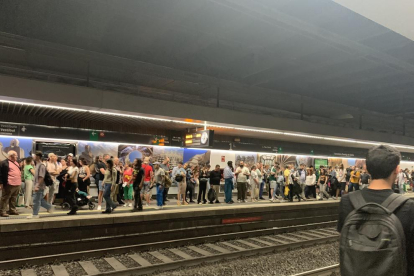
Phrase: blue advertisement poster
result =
(23, 147)
(195, 157)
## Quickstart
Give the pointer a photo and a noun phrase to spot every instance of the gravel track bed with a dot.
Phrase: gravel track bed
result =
(74, 269)
(257, 243)
(297, 237)
(231, 249)
(288, 263)
(208, 249)
(44, 270)
(126, 261)
(147, 256)
(11, 272)
(102, 265)
(268, 240)
(190, 252)
(280, 237)
(170, 255)
(239, 244)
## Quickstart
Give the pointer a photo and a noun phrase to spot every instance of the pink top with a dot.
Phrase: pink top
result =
(15, 175)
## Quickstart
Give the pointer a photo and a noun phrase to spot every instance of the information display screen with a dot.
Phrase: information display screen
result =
(321, 162)
(199, 139)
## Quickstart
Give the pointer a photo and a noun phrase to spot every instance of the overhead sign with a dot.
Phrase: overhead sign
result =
(199, 139)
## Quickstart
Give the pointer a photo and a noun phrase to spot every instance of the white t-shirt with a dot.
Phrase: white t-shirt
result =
(73, 171)
(310, 180)
(241, 177)
(253, 177)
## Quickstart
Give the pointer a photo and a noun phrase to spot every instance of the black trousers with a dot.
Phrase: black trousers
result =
(310, 191)
(120, 194)
(290, 192)
(137, 197)
(83, 185)
(97, 181)
(189, 190)
(165, 195)
(202, 191)
(71, 195)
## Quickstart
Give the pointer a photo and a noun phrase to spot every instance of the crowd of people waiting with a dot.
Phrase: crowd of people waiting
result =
(36, 181)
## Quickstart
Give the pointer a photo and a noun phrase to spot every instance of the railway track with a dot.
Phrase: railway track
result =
(324, 271)
(215, 248)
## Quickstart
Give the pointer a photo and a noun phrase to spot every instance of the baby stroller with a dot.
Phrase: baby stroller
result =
(82, 199)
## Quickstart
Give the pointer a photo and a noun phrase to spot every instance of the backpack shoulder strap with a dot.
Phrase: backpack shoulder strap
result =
(394, 201)
(357, 199)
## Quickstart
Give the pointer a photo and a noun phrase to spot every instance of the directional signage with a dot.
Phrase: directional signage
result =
(199, 139)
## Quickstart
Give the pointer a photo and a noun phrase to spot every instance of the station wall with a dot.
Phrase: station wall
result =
(128, 152)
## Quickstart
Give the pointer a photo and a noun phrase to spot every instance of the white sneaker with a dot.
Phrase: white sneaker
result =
(99, 208)
(147, 205)
(282, 200)
(334, 198)
(51, 210)
(33, 217)
(239, 201)
(130, 205)
(125, 205)
(245, 201)
(158, 207)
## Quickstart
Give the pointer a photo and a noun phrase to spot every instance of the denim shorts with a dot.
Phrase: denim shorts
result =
(146, 188)
(101, 187)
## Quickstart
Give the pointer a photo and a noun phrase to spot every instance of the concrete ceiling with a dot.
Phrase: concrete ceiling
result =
(395, 15)
(272, 50)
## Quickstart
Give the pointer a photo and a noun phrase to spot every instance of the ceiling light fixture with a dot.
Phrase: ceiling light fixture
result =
(201, 124)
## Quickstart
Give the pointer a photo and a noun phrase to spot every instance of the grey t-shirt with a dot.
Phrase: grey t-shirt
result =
(40, 171)
(158, 176)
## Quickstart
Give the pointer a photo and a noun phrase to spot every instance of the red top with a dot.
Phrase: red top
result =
(128, 175)
(147, 169)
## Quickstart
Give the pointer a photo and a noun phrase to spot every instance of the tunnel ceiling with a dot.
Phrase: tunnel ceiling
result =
(316, 49)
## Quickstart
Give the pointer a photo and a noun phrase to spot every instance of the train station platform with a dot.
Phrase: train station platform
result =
(63, 234)
(59, 234)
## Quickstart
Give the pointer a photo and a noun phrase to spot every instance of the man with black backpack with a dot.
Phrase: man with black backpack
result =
(376, 225)
(41, 180)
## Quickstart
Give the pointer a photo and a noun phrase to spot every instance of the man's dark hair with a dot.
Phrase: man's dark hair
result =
(230, 163)
(382, 160)
(39, 153)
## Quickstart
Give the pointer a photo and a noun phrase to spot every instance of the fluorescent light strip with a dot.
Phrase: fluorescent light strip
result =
(168, 147)
(41, 139)
(45, 105)
(210, 125)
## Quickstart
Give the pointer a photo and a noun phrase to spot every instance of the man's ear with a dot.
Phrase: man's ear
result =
(397, 170)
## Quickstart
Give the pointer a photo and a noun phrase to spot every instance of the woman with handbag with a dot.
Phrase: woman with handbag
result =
(72, 185)
(215, 177)
(28, 174)
(323, 180)
(127, 185)
(254, 184)
(84, 176)
(109, 183)
(61, 179)
(204, 176)
(179, 177)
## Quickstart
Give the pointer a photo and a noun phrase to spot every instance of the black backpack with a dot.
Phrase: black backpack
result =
(211, 195)
(48, 179)
(373, 239)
